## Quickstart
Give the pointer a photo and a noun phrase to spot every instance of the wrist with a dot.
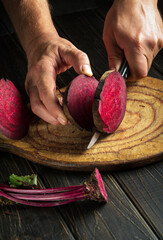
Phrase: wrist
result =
(38, 41)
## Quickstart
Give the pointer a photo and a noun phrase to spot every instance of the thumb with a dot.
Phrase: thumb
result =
(80, 62)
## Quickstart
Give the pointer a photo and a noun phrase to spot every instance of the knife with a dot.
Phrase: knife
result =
(124, 72)
(93, 139)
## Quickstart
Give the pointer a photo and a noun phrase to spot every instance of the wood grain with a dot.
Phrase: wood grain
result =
(144, 186)
(81, 220)
(91, 220)
(137, 141)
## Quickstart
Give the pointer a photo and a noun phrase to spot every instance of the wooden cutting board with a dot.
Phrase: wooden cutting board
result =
(138, 140)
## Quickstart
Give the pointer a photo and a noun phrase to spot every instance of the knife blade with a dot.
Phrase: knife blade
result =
(124, 72)
(93, 139)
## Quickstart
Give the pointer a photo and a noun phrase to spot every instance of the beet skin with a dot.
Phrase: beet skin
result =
(78, 101)
(14, 114)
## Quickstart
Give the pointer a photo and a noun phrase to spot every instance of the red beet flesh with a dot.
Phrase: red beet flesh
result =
(111, 102)
(14, 114)
(96, 187)
(91, 104)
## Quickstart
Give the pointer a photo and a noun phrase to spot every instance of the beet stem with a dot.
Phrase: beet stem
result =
(50, 197)
(93, 189)
(41, 191)
(38, 204)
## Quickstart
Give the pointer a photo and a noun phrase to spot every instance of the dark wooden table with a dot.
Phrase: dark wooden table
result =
(135, 206)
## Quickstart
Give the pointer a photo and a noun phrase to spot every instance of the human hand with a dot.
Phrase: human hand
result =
(134, 30)
(48, 56)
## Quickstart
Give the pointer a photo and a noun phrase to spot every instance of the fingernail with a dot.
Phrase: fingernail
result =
(86, 70)
(62, 121)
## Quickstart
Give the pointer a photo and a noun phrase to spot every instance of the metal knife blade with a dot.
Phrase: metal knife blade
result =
(94, 139)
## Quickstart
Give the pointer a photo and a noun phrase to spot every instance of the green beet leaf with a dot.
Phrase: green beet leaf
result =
(23, 181)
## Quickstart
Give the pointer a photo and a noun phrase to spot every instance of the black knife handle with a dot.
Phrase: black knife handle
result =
(124, 69)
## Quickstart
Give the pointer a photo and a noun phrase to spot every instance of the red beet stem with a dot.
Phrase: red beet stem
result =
(41, 191)
(51, 197)
(93, 189)
(38, 204)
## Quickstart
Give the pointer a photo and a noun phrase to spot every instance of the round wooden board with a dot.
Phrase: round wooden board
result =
(138, 140)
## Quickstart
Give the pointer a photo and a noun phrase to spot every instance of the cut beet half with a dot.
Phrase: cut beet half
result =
(92, 104)
(78, 101)
(14, 114)
(110, 103)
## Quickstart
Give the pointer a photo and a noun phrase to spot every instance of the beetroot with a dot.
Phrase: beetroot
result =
(78, 101)
(93, 104)
(14, 114)
(92, 189)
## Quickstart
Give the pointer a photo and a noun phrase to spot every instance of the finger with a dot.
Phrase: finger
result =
(79, 60)
(115, 54)
(47, 94)
(139, 62)
(38, 108)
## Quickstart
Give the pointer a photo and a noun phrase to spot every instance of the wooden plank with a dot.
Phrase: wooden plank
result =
(23, 222)
(117, 219)
(144, 186)
(5, 23)
(59, 8)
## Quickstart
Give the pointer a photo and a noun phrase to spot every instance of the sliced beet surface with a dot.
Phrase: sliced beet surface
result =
(14, 114)
(110, 103)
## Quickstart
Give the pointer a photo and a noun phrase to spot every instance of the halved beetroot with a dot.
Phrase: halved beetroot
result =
(78, 101)
(14, 114)
(92, 104)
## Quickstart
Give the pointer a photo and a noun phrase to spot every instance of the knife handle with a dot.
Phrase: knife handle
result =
(124, 69)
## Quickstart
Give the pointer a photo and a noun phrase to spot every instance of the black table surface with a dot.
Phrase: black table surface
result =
(135, 196)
